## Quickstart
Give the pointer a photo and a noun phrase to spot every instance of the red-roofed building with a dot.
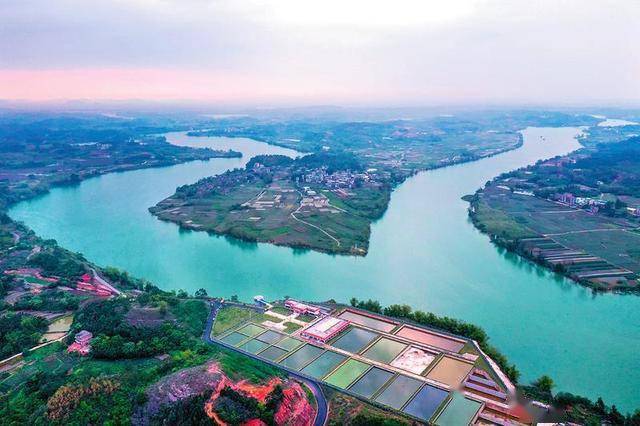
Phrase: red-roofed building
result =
(82, 343)
(302, 308)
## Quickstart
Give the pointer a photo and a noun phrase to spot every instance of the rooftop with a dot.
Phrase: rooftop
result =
(326, 328)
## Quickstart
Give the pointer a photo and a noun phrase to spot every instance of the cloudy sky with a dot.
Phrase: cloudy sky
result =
(326, 51)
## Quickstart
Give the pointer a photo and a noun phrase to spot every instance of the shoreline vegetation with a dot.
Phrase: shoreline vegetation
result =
(577, 215)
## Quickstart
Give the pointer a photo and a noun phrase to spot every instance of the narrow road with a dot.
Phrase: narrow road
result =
(586, 231)
(322, 413)
(104, 282)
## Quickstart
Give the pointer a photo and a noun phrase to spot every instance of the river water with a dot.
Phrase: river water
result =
(423, 252)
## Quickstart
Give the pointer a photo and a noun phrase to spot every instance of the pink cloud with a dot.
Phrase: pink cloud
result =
(138, 83)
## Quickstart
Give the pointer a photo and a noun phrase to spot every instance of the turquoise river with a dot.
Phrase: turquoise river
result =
(423, 252)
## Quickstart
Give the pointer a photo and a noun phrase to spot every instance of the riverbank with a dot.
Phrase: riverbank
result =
(575, 214)
(518, 247)
(435, 258)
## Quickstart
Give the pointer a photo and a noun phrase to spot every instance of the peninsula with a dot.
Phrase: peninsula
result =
(323, 201)
(578, 214)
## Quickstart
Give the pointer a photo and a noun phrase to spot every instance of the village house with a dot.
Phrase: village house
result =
(81, 343)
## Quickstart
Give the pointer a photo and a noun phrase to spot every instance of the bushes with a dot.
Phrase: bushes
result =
(68, 397)
(236, 408)
(52, 301)
(122, 279)
(58, 262)
(19, 332)
(369, 305)
(333, 161)
(582, 410)
(364, 419)
(187, 411)
(192, 314)
(117, 339)
(104, 317)
(139, 342)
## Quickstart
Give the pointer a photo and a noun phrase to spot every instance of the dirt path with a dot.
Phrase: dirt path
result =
(584, 231)
(311, 224)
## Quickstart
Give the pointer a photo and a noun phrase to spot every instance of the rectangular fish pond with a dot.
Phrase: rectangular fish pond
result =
(253, 346)
(251, 330)
(234, 338)
(450, 371)
(437, 340)
(354, 340)
(289, 343)
(399, 391)
(271, 337)
(273, 353)
(459, 411)
(384, 350)
(426, 402)
(303, 356)
(324, 364)
(368, 321)
(347, 373)
(372, 381)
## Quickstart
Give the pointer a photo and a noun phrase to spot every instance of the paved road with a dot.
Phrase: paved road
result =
(323, 408)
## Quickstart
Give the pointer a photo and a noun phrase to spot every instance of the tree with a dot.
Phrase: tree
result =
(615, 416)
(398, 311)
(201, 292)
(544, 384)
(634, 420)
(162, 307)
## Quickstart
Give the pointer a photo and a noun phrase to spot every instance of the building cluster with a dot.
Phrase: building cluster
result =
(558, 162)
(262, 203)
(312, 199)
(96, 285)
(590, 203)
(634, 211)
(569, 199)
(338, 180)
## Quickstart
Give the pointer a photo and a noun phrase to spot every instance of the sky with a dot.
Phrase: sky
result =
(396, 52)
